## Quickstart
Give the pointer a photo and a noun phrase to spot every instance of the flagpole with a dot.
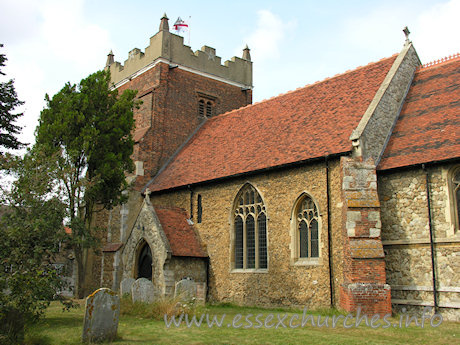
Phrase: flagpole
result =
(189, 29)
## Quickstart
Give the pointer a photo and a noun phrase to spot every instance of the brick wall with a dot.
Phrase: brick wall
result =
(364, 285)
(170, 109)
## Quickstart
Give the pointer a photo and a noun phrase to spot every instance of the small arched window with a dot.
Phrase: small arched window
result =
(199, 209)
(305, 229)
(250, 230)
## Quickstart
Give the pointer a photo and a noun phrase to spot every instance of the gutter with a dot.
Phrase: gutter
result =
(433, 267)
(247, 173)
(417, 165)
(329, 239)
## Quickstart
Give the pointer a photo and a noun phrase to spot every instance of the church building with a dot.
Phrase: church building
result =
(342, 193)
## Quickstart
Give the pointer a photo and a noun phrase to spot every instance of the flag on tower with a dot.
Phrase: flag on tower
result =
(180, 25)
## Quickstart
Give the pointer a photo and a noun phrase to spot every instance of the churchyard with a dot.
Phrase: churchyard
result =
(144, 324)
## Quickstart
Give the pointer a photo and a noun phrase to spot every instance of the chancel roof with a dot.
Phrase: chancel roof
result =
(427, 129)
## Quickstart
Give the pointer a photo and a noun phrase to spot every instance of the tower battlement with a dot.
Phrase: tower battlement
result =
(169, 48)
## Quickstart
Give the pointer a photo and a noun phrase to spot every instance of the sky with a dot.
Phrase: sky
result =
(293, 43)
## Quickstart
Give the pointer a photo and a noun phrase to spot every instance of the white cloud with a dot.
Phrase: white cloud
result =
(69, 37)
(19, 20)
(269, 34)
(436, 34)
(434, 29)
(377, 31)
(59, 45)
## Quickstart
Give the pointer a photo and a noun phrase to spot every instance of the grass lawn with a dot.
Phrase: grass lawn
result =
(65, 328)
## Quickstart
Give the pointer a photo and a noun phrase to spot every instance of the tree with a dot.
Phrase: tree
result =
(88, 128)
(8, 102)
(31, 226)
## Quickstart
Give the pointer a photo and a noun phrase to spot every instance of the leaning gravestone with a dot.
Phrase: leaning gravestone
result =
(126, 285)
(101, 316)
(143, 291)
(185, 289)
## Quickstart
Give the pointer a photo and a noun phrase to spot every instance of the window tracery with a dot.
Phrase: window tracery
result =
(250, 230)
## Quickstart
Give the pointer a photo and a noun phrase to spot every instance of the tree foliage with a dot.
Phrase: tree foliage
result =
(31, 228)
(87, 127)
(8, 102)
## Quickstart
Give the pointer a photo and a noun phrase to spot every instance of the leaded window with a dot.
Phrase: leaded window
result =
(307, 229)
(454, 186)
(250, 230)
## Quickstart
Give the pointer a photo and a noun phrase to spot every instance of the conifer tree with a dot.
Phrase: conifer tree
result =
(8, 102)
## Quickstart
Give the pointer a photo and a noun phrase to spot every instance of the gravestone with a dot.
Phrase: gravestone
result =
(201, 293)
(185, 289)
(101, 316)
(126, 285)
(143, 290)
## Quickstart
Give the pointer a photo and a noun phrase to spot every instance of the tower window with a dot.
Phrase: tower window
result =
(206, 106)
(208, 109)
(201, 108)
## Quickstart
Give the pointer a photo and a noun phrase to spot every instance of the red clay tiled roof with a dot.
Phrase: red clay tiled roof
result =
(307, 123)
(428, 127)
(181, 235)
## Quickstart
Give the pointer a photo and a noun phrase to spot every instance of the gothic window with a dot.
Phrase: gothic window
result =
(144, 266)
(454, 187)
(249, 230)
(305, 230)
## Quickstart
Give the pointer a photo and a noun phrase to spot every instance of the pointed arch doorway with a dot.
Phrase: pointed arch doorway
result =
(144, 262)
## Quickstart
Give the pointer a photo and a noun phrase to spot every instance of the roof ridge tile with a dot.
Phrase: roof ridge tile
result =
(318, 82)
(441, 61)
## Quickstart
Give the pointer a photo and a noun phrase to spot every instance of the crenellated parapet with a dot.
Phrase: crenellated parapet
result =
(169, 48)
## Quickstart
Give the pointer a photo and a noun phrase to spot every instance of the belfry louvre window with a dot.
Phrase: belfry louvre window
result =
(307, 229)
(208, 109)
(205, 108)
(250, 230)
(201, 108)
